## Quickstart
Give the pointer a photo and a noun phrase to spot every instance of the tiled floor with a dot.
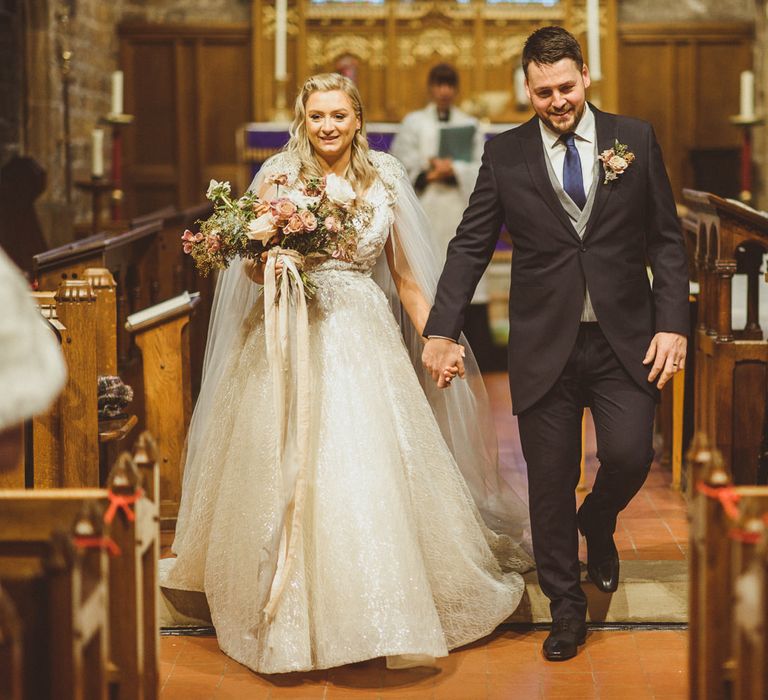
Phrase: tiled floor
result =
(654, 524)
(614, 665)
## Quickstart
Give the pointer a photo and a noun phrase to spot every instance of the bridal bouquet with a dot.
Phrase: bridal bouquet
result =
(313, 221)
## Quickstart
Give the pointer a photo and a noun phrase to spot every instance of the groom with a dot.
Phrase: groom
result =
(585, 326)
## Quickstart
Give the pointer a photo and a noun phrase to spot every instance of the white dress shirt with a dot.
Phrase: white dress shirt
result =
(586, 145)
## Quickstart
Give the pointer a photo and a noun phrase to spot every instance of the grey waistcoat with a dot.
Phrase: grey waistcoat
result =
(578, 217)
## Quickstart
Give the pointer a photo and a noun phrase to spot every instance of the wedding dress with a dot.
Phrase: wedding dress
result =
(390, 554)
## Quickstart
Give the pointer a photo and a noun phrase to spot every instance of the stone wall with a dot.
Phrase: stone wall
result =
(92, 39)
(11, 86)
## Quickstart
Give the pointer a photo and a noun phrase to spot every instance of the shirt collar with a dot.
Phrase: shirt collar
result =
(585, 131)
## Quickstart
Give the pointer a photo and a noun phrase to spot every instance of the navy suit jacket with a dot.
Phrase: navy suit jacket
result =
(633, 222)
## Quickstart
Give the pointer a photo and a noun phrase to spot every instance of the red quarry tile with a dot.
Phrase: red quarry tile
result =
(507, 665)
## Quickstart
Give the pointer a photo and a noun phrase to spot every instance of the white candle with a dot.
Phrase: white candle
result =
(747, 94)
(97, 153)
(281, 37)
(117, 92)
(521, 99)
(593, 39)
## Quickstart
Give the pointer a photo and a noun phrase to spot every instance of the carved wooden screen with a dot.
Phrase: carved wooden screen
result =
(394, 43)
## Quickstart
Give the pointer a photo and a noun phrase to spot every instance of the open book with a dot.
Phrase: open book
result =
(158, 312)
(457, 142)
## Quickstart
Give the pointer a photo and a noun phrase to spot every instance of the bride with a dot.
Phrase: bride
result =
(337, 506)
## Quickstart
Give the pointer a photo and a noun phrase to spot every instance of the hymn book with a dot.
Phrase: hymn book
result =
(159, 312)
(457, 142)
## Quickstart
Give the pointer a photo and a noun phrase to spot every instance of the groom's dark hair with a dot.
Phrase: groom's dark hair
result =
(549, 45)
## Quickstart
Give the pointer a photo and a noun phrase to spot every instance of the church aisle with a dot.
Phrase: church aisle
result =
(508, 665)
(631, 664)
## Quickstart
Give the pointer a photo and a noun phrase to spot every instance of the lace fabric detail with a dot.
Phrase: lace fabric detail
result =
(283, 164)
(390, 170)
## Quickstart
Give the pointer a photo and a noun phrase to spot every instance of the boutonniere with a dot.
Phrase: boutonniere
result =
(616, 160)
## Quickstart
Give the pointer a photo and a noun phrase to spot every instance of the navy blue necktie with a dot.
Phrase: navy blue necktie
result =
(573, 180)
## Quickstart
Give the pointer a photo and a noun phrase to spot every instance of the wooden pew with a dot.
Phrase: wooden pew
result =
(59, 589)
(728, 635)
(148, 266)
(132, 514)
(66, 439)
(11, 657)
(70, 446)
(164, 343)
(133, 579)
(730, 362)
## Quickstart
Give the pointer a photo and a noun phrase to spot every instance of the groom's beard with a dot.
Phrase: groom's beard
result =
(563, 127)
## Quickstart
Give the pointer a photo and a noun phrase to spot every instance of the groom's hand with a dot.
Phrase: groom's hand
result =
(443, 357)
(667, 353)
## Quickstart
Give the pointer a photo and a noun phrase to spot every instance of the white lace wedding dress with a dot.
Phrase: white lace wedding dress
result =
(394, 558)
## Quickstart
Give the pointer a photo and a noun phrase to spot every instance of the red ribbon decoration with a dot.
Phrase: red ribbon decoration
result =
(120, 502)
(745, 536)
(728, 498)
(98, 543)
(725, 494)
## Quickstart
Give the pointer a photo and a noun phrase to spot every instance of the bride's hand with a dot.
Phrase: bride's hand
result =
(254, 270)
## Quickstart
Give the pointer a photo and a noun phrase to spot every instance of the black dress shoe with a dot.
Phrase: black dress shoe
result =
(602, 557)
(564, 638)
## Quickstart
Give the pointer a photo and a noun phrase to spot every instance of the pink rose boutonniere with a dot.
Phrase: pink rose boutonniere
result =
(616, 160)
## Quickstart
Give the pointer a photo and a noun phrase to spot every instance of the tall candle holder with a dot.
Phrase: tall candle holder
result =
(96, 187)
(280, 113)
(746, 122)
(64, 15)
(117, 122)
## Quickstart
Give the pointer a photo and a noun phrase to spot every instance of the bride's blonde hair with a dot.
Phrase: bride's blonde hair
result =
(361, 172)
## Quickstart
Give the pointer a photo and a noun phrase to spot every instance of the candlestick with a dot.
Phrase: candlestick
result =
(117, 122)
(593, 39)
(281, 37)
(280, 113)
(521, 98)
(117, 92)
(97, 153)
(95, 187)
(746, 124)
(747, 95)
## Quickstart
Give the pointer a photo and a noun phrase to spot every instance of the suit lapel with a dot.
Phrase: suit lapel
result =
(537, 167)
(606, 126)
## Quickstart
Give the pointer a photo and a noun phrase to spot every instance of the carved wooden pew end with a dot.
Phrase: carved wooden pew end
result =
(728, 627)
(122, 519)
(59, 589)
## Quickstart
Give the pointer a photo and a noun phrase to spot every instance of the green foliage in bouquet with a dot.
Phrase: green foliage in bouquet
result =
(317, 220)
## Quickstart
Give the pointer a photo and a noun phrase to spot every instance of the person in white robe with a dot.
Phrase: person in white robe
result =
(443, 183)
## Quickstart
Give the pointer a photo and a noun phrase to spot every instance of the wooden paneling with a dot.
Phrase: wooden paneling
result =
(684, 79)
(189, 89)
(396, 44)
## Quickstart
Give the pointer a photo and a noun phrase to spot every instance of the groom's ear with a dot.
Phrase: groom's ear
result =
(585, 76)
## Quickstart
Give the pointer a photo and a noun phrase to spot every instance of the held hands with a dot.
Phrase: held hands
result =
(443, 359)
(667, 353)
